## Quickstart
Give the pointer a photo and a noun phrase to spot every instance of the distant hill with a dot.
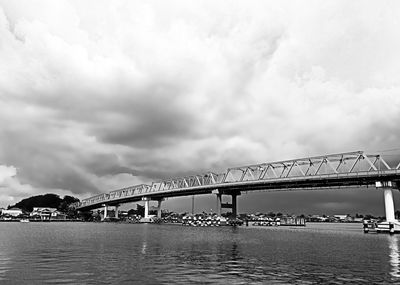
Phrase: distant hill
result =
(47, 200)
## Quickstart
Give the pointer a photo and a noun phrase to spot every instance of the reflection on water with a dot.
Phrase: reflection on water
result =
(394, 256)
(4, 264)
(144, 247)
(88, 253)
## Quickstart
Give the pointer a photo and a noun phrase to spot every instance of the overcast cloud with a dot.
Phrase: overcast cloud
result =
(100, 95)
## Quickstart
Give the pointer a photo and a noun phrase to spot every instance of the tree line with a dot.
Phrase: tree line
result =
(46, 200)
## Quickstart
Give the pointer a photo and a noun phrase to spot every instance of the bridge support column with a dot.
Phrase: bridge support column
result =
(389, 205)
(116, 211)
(105, 211)
(234, 205)
(219, 201)
(388, 197)
(159, 208)
(146, 207)
(193, 205)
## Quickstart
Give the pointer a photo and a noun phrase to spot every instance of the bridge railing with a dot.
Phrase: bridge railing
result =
(311, 166)
(350, 163)
(209, 178)
(129, 191)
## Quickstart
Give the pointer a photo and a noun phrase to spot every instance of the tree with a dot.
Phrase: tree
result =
(46, 200)
(140, 210)
(86, 216)
(131, 212)
(66, 204)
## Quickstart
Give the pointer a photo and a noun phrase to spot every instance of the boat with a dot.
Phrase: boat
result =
(24, 220)
(374, 226)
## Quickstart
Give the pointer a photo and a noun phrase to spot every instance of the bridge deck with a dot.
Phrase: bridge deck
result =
(336, 170)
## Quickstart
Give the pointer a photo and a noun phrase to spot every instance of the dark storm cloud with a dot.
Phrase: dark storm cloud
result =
(95, 96)
(147, 122)
(43, 163)
(105, 164)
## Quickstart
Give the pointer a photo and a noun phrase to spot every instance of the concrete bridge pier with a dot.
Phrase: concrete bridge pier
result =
(105, 211)
(116, 211)
(391, 225)
(389, 205)
(219, 202)
(159, 208)
(232, 205)
(146, 207)
(388, 197)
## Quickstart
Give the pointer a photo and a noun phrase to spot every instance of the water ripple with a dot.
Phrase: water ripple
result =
(155, 254)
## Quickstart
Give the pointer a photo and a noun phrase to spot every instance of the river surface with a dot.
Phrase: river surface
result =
(106, 253)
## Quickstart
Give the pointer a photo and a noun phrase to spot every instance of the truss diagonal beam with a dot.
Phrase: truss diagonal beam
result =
(384, 162)
(330, 165)
(369, 161)
(317, 166)
(355, 163)
(290, 169)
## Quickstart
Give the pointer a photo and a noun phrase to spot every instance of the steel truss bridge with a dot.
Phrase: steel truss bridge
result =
(350, 169)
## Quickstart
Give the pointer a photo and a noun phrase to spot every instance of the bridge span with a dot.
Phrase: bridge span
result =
(350, 169)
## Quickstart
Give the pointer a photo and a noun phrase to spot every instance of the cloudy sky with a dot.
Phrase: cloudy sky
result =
(99, 95)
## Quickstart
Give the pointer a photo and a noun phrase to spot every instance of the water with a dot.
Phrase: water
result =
(105, 253)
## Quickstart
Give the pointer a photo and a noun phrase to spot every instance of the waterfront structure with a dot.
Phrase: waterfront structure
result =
(45, 213)
(341, 218)
(14, 212)
(351, 169)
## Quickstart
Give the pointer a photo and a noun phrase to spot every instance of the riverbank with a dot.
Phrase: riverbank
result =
(37, 221)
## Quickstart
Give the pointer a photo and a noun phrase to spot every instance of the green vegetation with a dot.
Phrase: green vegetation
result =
(47, 200)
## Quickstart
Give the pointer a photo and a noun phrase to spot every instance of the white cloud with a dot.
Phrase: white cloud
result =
(10, 187)
(6, 173)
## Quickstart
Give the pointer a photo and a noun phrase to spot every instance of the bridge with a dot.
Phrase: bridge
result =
(350, 169)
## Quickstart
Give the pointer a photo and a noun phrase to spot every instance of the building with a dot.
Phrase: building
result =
(14, 212)
(342, 218)
(44, 213)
